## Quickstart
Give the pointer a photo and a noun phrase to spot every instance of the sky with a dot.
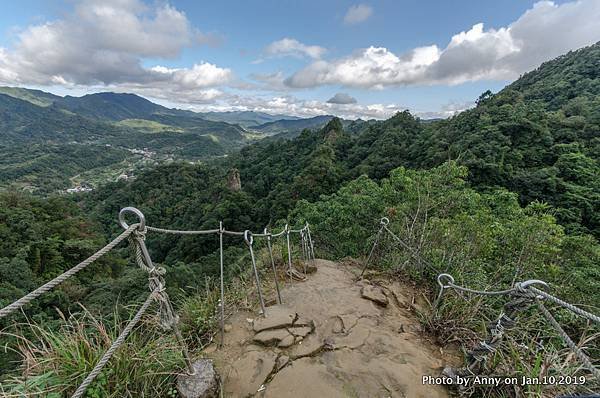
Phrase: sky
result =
(302, 58)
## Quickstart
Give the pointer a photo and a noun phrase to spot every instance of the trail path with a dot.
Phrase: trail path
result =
(327, 340)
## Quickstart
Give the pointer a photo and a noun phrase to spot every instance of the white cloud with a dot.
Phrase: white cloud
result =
(357, 14)
(541, 33)
(104, 43)
(198, 76)
(374, 67)
(6, 74)
(292, 47)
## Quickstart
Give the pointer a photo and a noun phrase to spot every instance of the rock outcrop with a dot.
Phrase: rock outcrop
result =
(233, 180)
(204, 383)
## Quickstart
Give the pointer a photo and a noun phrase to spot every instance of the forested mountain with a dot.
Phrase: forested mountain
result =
(245, 119)
(530, 147)
(111, 106)
(291, 128)
(94, 133)
(540, 137)
(36, 97)
(522, 139)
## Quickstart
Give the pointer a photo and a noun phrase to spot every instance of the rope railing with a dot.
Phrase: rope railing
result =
(522, 296)
(307, 251)
(9, 309)
(136, 234)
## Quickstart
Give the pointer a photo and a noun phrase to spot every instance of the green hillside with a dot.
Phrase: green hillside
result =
(245, 118)
(110, 106)
(36, 97)
(292, 126)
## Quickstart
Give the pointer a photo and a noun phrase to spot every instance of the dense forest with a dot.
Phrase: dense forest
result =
(511, 190)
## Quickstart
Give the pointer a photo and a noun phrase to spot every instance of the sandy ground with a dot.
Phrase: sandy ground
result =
(327, 340)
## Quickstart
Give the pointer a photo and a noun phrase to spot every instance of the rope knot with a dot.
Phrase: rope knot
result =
(522, 291)
(140, 233)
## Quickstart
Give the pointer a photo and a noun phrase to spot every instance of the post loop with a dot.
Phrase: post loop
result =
(530, 282)
(248, 237)
(135, 211)
(449, 280)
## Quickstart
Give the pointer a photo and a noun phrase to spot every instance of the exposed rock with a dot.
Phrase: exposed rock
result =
(415, 328)
(276, 317)
(204, 383)
(357, 335)
(295, 274)
(348, 321)
(305, 378)
(374, 294)
(301, 331)
(329, 343)
(301, 321)
(272, 337)
(282, 360)
(307, 347)
(338, 326)
(399, 295)
(227, 328)
(367, 357)
(248, 373)
(286, 342)
(233, 180)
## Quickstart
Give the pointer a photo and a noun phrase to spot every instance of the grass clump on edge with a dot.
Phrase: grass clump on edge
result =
(55, 362)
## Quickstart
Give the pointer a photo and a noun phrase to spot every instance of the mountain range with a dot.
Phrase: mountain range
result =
(52, 143)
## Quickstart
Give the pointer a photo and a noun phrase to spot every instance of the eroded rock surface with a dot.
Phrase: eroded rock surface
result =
(375, 294)
(248, 373)
(329, 340)
(277, 317)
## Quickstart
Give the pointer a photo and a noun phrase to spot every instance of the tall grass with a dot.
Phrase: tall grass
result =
(55, 362)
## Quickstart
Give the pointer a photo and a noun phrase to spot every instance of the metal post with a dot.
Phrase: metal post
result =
(181, 341)
(273, 265)
(249, 240)
(304, 253)
(222, 301)
(287, 236)
(310, 242)
(384, 222)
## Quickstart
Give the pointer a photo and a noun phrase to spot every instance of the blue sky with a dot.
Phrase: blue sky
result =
(431, 57)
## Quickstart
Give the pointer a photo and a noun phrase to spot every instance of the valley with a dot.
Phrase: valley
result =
(52, 144)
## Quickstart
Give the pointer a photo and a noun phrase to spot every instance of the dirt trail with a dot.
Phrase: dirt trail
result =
(329, 341)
